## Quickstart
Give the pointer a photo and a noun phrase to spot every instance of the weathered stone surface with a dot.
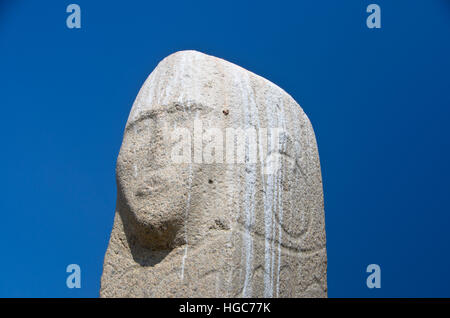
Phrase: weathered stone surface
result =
(215, 229)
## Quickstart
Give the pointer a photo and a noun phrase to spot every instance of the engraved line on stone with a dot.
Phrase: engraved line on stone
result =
(250, 180)
(269, 203)
(280, 198)
(295, 249)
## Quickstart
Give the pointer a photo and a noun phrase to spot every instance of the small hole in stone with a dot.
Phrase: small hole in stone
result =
(210, 181)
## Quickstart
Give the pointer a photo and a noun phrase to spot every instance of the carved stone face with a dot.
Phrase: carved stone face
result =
(146, 173)
(155, 187)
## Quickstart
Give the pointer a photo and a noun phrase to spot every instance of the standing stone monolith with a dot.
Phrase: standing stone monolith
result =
(219, 189)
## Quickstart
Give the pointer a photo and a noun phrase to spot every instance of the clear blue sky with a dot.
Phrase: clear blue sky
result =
(379, 101)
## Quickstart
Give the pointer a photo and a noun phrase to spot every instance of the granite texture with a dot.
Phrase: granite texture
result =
(208, 228)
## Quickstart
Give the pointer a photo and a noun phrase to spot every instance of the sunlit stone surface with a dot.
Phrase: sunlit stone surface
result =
(220, 229)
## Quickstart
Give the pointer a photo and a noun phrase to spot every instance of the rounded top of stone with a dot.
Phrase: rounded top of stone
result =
(197, 56)
(184, 74)
(188, 52)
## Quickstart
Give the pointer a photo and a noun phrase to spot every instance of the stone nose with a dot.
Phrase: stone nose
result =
(157, 155)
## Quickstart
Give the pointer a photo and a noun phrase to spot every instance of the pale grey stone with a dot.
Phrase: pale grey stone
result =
(220, 229)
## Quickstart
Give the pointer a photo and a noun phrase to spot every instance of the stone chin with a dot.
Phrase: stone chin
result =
(156, 218)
